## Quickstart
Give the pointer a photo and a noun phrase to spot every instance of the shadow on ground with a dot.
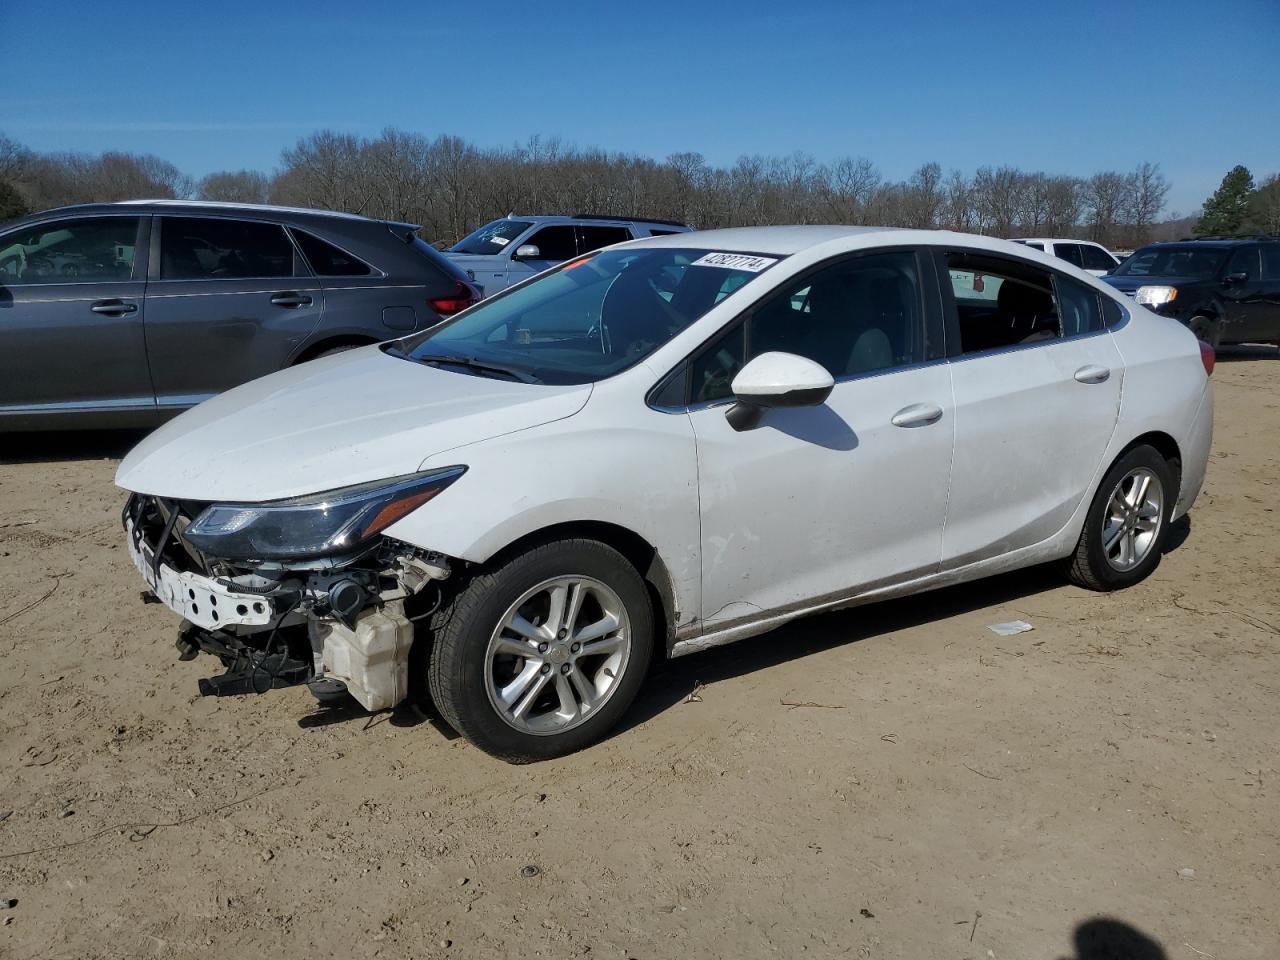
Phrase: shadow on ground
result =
(1247, 351)
(1105, 938)
(47, 446)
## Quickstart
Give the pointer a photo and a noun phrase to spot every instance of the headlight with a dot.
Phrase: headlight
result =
(316, 525)
(1154, 296)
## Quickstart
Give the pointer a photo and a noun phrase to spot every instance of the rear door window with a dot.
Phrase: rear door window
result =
(1022, 311)
(1078, 307)
(1244, 261)
(593, 238)
(1271, 261)
(1095, 258)
(1069, 252)
(327, 260)
(196, 248)
(70, 251)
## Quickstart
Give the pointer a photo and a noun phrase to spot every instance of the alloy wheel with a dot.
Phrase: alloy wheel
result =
(1134, 513)
(557, 654)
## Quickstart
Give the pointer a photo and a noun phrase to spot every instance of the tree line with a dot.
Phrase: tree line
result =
(451, 186)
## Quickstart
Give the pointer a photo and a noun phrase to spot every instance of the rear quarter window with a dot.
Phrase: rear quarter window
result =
(327, 260)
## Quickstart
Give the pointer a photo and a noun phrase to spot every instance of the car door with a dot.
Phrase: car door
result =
(228, 300)
(1271, 290)
(1096, 260)
(817, 503)
(556, 244)
(1069, 252)
(1246, 313)
(1037, 382)
(71, 317)
(594, 237)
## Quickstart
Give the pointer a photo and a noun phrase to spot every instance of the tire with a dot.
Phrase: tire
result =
(1206, 329)
(482, 671)
(1095, 567)
(336, 350)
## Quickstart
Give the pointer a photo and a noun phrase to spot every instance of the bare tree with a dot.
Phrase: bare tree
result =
(235, 186)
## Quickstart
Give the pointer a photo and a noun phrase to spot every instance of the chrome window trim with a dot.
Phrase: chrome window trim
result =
(375, 273)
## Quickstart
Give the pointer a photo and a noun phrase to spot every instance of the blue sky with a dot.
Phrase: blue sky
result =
(1067, 87)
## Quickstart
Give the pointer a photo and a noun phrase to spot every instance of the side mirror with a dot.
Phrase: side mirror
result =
(776, 380)
(528, 251)
(1234, 279)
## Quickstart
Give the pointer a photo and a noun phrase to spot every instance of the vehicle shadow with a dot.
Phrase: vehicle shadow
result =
(46, 446)
(672, 681)
(1247, 351)
(1105, 938)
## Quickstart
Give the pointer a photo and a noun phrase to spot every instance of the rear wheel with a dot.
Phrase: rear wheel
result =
(1128, 523)
(1207, 329)
(543, 654)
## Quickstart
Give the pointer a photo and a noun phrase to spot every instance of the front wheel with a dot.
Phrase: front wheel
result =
(1127, 524)
(1206, 329)
(542, 655)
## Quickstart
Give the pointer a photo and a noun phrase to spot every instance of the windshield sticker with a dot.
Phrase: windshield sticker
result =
(500, 241)
(735, 261)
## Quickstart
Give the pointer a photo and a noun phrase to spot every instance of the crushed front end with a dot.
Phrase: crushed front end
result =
(314, 594)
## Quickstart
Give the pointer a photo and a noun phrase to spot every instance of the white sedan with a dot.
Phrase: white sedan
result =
(660, 447)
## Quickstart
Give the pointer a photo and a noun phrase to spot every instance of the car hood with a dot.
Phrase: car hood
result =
(342, 420)
(473, 259)
(1130, 284)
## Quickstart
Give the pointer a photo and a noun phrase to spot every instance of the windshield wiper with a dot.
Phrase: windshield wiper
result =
(480, 366)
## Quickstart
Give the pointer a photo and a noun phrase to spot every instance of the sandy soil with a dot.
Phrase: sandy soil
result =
(939, 792)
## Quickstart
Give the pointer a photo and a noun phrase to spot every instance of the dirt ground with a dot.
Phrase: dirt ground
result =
(888, 782)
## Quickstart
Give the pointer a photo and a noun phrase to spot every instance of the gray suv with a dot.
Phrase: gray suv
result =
(124, 314)
(506, 251)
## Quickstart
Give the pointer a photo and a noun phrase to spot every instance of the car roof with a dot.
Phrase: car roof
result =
(1199, 244)
(785, 241)
(211, 206)
(1092, 243)
(589, 219)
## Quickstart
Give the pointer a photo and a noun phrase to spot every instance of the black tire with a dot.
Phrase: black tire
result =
(1206, 329)
(1088, 566)
(334, 350)
(458, 676)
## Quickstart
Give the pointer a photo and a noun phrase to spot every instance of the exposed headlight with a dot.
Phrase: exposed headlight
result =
(1154, 296)
(316, 525)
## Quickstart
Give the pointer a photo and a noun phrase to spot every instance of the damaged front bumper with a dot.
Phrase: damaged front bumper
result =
(340, 624)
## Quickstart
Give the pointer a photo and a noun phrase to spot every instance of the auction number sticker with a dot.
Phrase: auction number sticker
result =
(735, 261)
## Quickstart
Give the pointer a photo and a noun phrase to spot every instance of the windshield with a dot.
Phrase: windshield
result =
(1197, 262)
(491, 238)
(589, 319)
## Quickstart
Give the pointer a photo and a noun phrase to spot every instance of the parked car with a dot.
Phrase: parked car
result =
(659, 448)
(1091, 257)
(123, 314)
(1225, 291)
(504, 252)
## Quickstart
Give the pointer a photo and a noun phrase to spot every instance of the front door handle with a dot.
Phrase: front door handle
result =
(1092, 373)
(114, 308)
(917, 415)
(291, 300)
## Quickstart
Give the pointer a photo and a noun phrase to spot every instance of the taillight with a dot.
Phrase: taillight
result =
(459, 298)
(1207, 357)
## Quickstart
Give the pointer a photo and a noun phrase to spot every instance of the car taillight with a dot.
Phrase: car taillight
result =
(1207, 357)
(459, 298)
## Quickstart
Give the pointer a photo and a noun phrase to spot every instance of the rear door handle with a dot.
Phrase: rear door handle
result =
(917, 415)
(291, 300)
(114, 308)
(1092, 373)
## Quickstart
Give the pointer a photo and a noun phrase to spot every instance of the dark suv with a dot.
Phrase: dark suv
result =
(123, 314)
(1226, 291)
